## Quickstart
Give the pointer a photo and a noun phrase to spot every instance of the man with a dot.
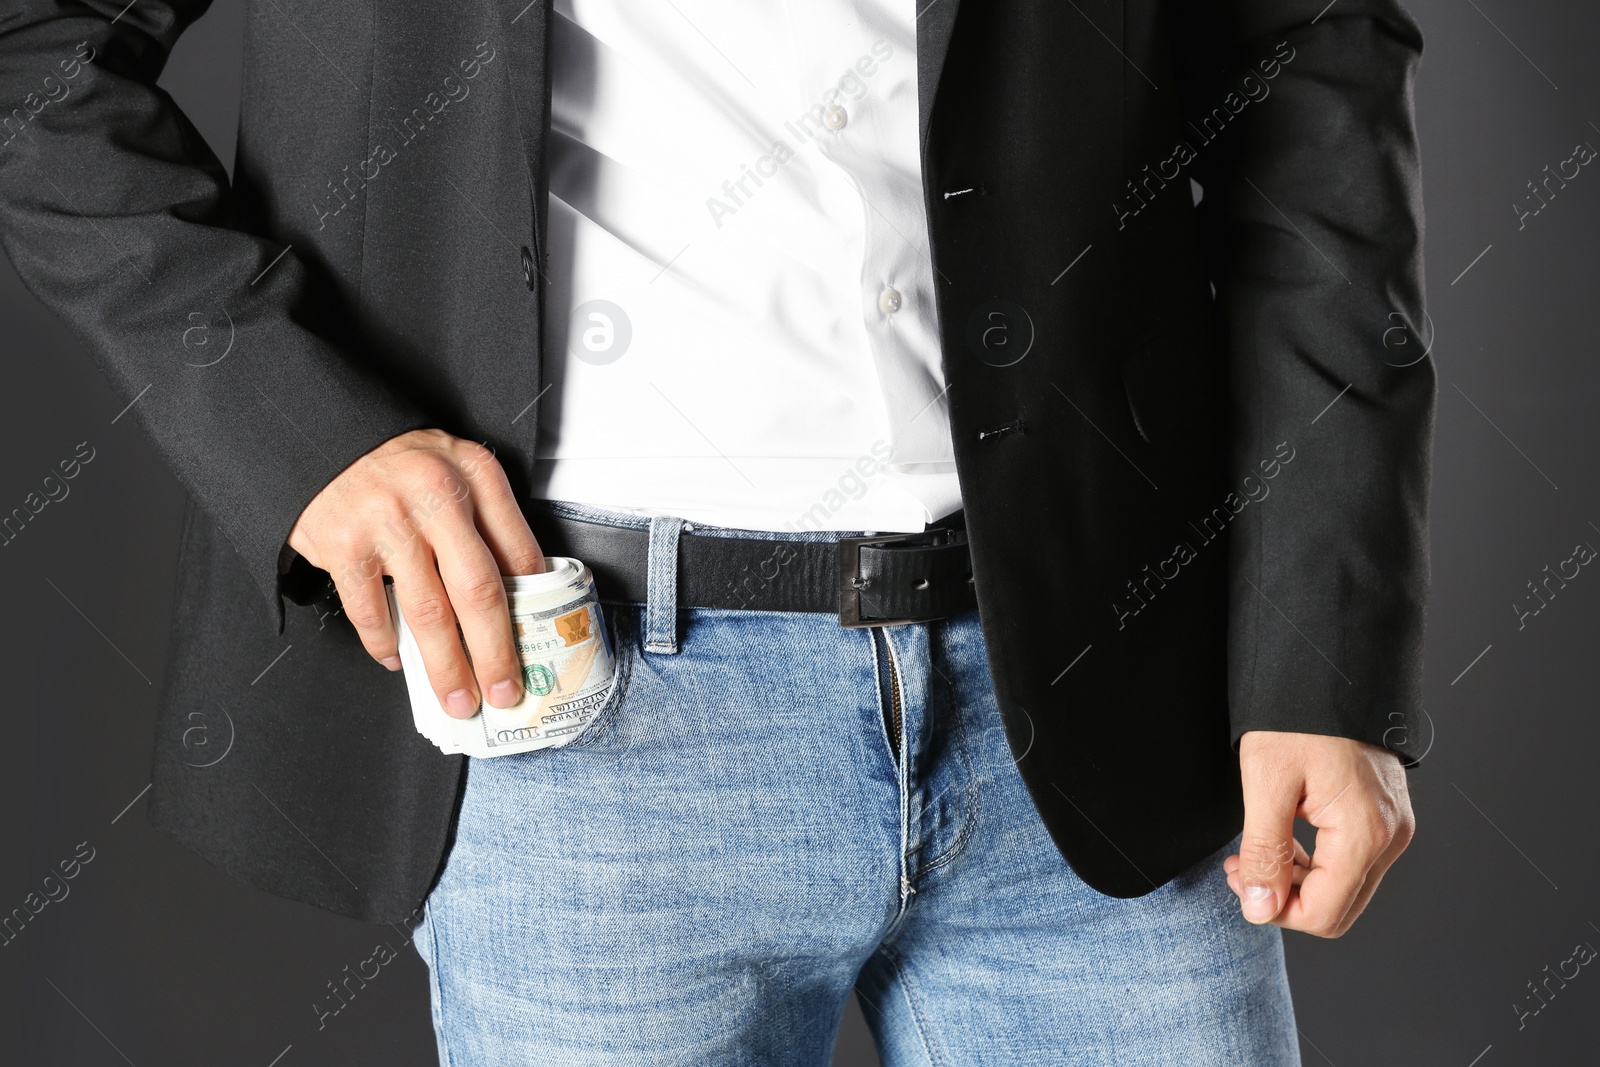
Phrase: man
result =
(1097, 301)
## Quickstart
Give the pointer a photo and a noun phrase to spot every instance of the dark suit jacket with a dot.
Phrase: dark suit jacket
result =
(1175, 538)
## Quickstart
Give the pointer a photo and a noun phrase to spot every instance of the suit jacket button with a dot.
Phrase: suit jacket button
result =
(527, 266)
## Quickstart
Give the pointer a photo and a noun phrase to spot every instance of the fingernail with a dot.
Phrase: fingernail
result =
(503, 694)
(460, 704)
(1260, 903)
(392, 662)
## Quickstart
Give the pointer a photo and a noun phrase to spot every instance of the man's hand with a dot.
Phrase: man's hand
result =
(1352, 792)
(435, 513)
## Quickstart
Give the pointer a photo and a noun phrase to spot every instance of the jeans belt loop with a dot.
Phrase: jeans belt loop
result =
(661, 598)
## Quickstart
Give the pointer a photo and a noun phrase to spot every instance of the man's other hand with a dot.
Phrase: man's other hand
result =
(436, 514)
(1354, 794)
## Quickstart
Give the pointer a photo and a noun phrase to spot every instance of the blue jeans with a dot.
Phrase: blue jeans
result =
(765, 817)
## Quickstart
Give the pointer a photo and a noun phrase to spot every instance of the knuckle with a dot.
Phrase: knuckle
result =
(476, 458)
(345, 541)
(1377, 826)
(415, 440)
(427, 611)
(438, 492)
(481, 592)
(496, 667)
(427, 470)
(1266, 854)
(386, 510)
(445, 486)
(524, 560)
(435, 437)
(446, 673)
(365, 615)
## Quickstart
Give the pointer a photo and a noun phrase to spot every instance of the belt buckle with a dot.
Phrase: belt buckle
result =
(851, 583)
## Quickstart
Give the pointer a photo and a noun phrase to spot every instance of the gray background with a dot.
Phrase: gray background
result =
(156, 958)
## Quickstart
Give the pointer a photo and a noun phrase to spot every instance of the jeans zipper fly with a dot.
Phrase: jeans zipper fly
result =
(894, 701)
(896, 718)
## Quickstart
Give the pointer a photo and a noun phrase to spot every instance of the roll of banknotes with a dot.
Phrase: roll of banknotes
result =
(568, 668)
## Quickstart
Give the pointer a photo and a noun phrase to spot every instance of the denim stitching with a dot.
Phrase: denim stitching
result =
(622, 638)
(438, 988)
(661, 593)
(911, 1005)
(902, 789)
(903, 768)
(971, 819)
(598, 515)
(775, 535)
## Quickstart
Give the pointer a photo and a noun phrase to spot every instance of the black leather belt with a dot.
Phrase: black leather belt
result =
(867, 581)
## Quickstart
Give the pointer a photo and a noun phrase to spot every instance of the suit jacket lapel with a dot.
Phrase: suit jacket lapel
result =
(934, 21)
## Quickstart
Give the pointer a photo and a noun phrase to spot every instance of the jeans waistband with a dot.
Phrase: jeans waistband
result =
(660, 617)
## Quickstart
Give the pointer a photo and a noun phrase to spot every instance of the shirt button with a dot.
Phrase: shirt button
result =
(527, 266)
(834, 117)
(889, 301)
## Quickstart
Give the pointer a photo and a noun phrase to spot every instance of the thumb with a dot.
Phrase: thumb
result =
(1266, 849)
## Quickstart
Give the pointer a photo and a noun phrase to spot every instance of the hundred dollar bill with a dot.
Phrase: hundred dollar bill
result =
(568, 668)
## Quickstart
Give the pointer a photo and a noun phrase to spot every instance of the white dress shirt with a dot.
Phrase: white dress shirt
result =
(741, 327)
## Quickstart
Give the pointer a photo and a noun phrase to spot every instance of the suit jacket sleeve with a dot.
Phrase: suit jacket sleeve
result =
(119, 218)
(1311, 222)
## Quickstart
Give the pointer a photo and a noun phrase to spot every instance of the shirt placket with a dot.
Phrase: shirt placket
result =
(894, 289)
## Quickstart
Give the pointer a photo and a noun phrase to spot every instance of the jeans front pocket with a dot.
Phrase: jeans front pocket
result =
(621, 621)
